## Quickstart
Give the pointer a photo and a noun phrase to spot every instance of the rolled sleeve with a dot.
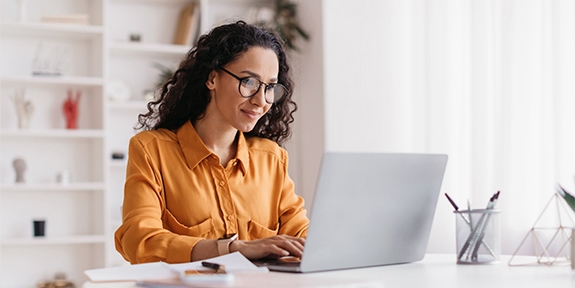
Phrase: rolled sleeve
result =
(142, 236)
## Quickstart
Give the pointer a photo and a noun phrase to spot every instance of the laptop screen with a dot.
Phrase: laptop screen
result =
(372, 209)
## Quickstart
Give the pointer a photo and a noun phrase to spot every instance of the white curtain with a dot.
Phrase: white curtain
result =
(498, 95)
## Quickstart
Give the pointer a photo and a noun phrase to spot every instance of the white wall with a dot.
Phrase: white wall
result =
(367, 62)
(352, 82)
(426, 76)
(357, 89)
(307, 145)
(371, 83)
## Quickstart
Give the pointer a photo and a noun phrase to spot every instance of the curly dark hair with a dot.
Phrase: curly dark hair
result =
(184, 96)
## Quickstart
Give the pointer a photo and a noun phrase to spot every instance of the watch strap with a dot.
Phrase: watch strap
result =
(224, 244)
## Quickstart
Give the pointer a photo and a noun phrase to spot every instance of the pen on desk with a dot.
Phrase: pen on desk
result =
(219, 268)
(212, 265)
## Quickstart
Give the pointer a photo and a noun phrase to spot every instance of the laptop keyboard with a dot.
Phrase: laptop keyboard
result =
(288, 261)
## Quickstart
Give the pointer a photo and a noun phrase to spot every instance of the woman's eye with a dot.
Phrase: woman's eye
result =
(250, 82)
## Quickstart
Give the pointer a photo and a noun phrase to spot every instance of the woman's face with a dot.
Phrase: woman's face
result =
(227, 103)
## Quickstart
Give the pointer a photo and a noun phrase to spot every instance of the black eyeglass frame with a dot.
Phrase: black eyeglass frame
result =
(267, 85)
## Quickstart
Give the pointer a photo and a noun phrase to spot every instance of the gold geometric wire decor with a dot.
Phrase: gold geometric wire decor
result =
(560, 240)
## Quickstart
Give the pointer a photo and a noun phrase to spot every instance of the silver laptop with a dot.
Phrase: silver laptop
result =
(369, 209)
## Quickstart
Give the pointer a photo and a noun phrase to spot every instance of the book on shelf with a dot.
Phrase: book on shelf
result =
(187, 27)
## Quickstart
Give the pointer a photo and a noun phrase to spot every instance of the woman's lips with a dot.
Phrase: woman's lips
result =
(251, 114)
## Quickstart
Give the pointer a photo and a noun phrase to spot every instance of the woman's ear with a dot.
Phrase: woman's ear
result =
(211, 83)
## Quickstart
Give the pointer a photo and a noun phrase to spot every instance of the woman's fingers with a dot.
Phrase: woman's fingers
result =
(280, 245)
(292, 245)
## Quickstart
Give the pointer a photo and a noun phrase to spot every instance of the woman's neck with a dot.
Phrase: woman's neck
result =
(222, 141)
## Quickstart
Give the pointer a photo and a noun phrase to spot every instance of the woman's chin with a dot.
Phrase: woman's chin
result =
(246, 128)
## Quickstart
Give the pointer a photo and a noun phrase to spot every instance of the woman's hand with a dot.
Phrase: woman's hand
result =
(275, 246)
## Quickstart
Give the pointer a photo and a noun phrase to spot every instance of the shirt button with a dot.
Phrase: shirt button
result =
(222, 183)
(230, 217)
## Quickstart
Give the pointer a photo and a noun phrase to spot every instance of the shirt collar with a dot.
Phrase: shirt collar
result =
(195, 151)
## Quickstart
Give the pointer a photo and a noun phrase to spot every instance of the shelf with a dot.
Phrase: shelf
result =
(51, 30)
(98, 53)
(54, 240)
(53, 133)
(118, 163)
(257, 3)
(129, 105)
(74, 186)
(160, 2)
(147, 49)
(77, 81)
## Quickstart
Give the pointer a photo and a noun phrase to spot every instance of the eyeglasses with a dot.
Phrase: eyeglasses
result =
(250, 86)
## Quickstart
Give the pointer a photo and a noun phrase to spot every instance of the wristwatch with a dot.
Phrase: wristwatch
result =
(224, 243)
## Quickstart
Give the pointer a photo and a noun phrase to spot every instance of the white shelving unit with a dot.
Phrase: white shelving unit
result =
(81, 216)
(75, 233)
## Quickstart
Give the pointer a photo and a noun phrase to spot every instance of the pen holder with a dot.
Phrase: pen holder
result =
(478, 237)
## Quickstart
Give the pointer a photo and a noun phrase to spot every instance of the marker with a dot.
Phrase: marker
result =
(219, 268)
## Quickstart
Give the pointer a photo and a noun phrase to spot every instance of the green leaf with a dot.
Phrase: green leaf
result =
(567, 196)
(165, 74)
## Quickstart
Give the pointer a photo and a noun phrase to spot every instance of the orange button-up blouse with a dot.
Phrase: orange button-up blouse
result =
(177, 193)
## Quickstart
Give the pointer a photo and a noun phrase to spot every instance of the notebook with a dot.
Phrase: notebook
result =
(369, 209)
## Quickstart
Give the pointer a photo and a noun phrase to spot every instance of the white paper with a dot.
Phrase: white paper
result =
(146, 271)
(234, 262)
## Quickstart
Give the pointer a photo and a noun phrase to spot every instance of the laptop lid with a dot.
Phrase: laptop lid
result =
(372, 209)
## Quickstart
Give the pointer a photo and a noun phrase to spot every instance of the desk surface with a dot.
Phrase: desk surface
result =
(434, 271)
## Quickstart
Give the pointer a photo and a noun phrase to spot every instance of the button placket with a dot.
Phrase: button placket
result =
(225, 199)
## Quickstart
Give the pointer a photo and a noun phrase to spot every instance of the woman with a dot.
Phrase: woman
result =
(208, 175)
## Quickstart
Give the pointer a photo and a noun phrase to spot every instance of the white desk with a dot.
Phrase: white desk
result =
(433, 271)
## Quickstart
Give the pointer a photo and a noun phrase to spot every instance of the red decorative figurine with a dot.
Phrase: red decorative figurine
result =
(71, 109)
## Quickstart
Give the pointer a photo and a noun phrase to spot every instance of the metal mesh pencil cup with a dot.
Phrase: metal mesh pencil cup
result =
(478, 236)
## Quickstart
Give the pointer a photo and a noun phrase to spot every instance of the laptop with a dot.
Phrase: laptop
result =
(369, 209)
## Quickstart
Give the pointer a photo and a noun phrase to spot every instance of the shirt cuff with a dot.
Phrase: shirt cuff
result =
(180, 249)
